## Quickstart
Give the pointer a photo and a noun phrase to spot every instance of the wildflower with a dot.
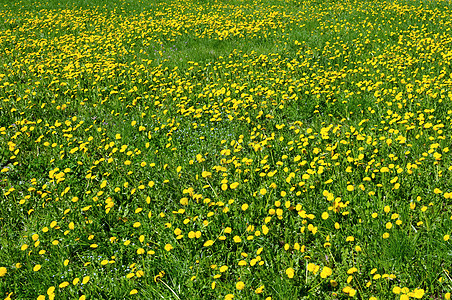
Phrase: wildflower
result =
(326, 272)
(260, 289)
(158, 276)
(417, 293)
(51, 290)
(233, 185)
(206, 174)
(208, 243)
(223, 269)
(290, 272)
(350, 239)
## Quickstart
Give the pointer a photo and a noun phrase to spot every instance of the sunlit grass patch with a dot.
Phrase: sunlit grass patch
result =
(220, 150)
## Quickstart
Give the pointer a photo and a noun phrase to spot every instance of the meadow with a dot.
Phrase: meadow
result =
(213, 149)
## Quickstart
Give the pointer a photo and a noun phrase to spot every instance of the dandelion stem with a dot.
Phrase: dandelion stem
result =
(216, 195)
(170, 289)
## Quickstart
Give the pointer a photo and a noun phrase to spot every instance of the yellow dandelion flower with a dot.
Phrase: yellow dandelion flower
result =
(418, 293)
(208, 243)
(290, 272)
(326, 271)
(311, 267)
(51, 290)
(242, 263)
(223, 269)
(396, 290)
(206, 174)
(133, 292)
(260, 289)
(233, 185)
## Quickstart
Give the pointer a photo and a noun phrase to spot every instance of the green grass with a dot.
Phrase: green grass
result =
(179, 149)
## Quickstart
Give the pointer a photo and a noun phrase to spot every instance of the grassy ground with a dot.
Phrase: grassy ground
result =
(225, 149)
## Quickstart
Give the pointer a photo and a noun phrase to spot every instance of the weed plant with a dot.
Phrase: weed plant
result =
(238, 149)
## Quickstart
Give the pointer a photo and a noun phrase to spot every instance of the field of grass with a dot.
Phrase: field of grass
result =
(215, 149)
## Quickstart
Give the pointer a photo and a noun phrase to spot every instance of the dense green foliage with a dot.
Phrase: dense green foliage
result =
(225, 149)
